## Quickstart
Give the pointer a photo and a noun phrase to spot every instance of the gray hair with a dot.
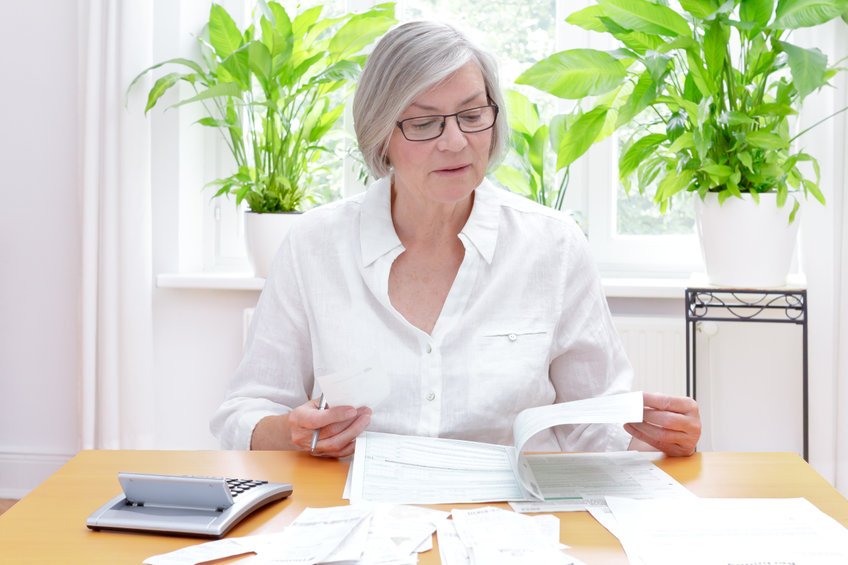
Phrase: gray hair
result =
(409, 60)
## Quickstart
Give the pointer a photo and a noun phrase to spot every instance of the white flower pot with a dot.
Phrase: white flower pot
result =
(263, 235)
(746, 245)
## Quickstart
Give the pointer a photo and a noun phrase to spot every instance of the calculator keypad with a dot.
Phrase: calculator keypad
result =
(238, 486)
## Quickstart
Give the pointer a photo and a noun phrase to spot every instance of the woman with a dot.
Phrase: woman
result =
(477, 303)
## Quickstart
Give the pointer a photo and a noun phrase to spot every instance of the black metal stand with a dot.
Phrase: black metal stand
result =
(746, 305)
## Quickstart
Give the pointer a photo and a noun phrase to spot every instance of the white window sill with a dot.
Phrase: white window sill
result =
(614, 287)
(210, 281)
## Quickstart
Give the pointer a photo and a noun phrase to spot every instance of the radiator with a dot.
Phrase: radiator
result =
(657, 350)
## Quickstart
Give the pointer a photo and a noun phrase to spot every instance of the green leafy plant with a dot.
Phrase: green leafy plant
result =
(527, 169)
(708, 91)
(274, 90)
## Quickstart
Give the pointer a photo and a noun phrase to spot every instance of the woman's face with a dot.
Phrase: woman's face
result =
(446, 169)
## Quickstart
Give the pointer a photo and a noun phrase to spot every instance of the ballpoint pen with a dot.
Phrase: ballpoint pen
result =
(321, 406)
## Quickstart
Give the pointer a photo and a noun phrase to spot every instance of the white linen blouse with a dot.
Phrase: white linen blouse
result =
(525, 324)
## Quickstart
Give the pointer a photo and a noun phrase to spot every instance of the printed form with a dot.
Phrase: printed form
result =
(422, 470)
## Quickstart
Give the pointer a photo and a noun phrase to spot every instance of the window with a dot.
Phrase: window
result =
(627, 234)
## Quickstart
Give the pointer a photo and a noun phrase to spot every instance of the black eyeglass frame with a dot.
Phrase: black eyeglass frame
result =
(444, 118)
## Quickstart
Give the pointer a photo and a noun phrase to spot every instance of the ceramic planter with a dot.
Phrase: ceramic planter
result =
(263, 235)
(746, 245)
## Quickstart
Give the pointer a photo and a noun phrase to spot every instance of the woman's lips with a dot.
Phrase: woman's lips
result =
(453, 170)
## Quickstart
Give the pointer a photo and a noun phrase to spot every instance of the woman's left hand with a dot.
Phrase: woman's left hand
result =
(671, 424)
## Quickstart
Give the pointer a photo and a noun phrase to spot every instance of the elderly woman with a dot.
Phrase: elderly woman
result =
(476, 302)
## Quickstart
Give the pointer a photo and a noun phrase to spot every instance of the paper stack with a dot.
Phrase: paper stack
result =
(344, 535)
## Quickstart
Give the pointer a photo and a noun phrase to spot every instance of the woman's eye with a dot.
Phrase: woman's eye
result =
(424, 124)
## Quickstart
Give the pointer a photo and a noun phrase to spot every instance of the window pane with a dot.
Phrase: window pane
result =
(517, 32)
(637, 214)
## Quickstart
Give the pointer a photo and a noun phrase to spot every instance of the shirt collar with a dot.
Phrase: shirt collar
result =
(377, 232)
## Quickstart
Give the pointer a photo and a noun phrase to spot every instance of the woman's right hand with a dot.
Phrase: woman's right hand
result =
(339, 426)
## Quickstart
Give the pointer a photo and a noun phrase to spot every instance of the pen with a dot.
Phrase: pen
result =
(321, 406)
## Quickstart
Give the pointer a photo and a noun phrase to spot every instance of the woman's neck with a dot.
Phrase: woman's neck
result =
(427, 222)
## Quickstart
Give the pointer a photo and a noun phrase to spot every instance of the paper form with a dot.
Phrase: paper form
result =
(424, 470)
(575, 481)
(722, 531)
(413, 470)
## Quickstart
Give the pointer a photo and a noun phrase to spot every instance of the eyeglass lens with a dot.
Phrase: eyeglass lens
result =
(473, 120)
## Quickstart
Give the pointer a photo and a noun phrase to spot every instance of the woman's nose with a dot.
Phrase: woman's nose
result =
(453, 138)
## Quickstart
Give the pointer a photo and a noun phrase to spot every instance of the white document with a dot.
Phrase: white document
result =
(423, 470)
(576, 481)
(718, 531)
(357, 386)
(200, 553)
(315, 536)
(493, 536)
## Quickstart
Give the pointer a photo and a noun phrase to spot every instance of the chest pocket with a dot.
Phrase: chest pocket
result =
(511, 364)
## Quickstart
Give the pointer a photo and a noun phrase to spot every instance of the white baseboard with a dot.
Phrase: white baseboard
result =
(22, 472)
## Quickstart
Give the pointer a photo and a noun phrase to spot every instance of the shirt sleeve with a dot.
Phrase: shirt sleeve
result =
(588, 358)
(275, 374)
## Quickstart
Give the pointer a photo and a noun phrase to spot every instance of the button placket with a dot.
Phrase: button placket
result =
(431, 380)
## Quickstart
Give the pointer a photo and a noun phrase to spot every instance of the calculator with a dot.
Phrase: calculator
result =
(184, 505)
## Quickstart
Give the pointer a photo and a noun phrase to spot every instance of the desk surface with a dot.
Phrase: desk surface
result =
(48, 525)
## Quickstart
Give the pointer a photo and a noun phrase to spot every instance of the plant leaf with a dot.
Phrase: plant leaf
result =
(757, 11)
(637, 152)
(641, 15)
(589, 18)
(224, 35)
(580, 136)
(221, 89)
(766, 140)
(808, 68)
(794, 14)
(701, 9)
(575, 73)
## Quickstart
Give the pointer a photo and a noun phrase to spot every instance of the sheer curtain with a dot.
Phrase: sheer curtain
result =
(116, 384)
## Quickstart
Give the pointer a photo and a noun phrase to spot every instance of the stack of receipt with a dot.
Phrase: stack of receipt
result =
(361, 534)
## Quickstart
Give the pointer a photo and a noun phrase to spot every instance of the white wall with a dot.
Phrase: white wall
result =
(39, 240)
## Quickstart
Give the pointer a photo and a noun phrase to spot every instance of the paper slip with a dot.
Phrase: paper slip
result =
(712, 531)
(576, 481)
(200, 553)
(493, 536)
(360, 386)
(423, 470)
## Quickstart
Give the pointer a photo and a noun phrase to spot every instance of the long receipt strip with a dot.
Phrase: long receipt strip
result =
(420, 470)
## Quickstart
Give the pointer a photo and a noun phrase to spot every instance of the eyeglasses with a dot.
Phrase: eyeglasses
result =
(425, 128)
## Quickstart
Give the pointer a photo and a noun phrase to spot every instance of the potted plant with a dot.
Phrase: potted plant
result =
(709, 91)
(274, 90)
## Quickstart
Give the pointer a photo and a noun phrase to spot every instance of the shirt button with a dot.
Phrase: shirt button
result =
(431, 396)
(429, 348)
(512, 337)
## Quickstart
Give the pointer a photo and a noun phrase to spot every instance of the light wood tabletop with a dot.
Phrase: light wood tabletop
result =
(48, 525)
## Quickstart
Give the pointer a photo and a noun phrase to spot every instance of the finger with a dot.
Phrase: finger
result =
(339, 438)
(670, 442)
(669, 403)
(671, 420)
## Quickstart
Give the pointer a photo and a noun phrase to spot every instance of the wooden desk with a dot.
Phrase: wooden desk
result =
(48, 525)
